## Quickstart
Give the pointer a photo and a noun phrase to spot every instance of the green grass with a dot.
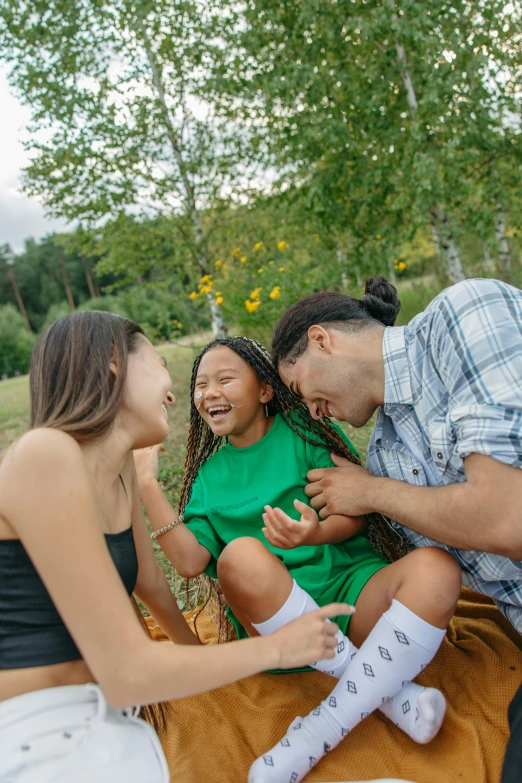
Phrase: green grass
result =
(14, 415)
(14, 409)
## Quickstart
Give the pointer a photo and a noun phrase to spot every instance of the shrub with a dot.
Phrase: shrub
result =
(16, 345)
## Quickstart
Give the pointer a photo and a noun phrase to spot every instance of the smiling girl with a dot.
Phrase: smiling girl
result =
(244, 518)
(74, 547)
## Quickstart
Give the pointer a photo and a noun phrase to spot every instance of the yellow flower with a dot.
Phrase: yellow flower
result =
(205, 289)
(236, 252)
(243, 259)
(316, 237)
(205, 279)
(270, 263)
(251, 306)
(281, 269)
(218, 264)
(260, 271)
(377, 236)
(275, 293)
(219, 300)
(282, 246)
(258, 246)
(401, 266)
(256, 293)
(193, 295)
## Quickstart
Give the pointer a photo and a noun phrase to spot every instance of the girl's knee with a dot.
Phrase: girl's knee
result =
(438, 570)
(244, 563)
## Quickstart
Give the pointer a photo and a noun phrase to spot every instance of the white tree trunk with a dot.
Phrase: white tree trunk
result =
(392, 277)
(341, 258)
(443, 237)
(441, 226)
(403, 63)
(216, 314)
(488, 263)
(500, 232)
(436, 238)
(216, 317)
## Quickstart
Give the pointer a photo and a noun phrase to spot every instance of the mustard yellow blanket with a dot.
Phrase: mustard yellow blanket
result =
(214, 737)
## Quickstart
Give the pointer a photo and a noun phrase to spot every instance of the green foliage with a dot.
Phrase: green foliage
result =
(16, 344)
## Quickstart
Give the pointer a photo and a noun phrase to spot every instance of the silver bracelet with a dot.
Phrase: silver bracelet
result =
(156, 533)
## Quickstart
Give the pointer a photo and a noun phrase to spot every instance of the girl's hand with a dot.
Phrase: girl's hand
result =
(286, 533)
(309, 638)
(147, 463)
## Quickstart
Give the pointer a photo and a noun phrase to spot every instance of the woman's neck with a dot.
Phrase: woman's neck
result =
(106, 458)
(254, 432)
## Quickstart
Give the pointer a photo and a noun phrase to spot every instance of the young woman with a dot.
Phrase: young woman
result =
(244, 518)
(74, 546)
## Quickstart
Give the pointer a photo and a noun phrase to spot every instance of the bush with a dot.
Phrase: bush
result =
(107, 304)
(16, 345)
(162, 314)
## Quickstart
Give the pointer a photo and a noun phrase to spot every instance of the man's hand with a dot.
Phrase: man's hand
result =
(340, 490)
(286, 533)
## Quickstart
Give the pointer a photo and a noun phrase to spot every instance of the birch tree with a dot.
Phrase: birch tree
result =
(369, 109)
(119, 121)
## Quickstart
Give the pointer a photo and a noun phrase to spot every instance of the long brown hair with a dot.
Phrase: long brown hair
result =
(202, 442)
(70, 384)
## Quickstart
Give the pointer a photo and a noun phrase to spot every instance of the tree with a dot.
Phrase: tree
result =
(17, 343)
(384, 114)
(120, 86)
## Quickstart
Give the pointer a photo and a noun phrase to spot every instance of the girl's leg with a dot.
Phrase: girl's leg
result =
(264, 597)
(423, 589)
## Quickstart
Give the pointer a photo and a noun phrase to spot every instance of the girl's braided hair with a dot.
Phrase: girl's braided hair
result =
(202, 442)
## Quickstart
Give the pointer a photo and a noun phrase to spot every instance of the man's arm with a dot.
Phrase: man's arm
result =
(484, 513)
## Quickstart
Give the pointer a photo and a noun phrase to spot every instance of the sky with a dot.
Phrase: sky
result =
(20, 217)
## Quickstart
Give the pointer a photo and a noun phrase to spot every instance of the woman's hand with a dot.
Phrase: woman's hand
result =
(286, 533)
(147, 462)
(310, 638)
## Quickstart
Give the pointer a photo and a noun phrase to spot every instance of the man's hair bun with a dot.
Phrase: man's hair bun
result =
(380, 300)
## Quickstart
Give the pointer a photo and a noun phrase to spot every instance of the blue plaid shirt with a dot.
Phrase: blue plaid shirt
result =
(453, 383)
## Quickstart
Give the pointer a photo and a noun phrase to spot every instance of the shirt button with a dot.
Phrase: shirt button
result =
(415, 472)
(439, 455)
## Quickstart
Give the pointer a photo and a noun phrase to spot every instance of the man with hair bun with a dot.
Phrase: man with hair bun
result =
(445, 453)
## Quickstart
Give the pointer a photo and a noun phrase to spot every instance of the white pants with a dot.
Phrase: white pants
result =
(72, 735)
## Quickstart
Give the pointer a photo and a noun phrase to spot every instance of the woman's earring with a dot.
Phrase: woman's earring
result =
(266, 410)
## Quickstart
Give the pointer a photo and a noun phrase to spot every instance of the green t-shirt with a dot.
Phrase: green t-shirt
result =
(228, 499)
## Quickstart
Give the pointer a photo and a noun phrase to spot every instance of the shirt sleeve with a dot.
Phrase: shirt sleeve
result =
(196, 519)
(318, 456)
(476, 347)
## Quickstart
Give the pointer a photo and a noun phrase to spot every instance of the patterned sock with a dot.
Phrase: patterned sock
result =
(400, 646)
(299, 602)
(427, 706)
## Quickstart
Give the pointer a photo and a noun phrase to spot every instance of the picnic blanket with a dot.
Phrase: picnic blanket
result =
(215, 737)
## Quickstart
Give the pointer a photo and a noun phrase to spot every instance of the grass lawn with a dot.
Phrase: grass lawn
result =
(14, 417)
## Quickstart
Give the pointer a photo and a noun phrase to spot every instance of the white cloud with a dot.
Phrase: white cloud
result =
(20, 217)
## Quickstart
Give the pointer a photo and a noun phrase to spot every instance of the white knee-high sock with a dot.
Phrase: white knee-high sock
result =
(400, 646)
(427, 705)
(300, 602)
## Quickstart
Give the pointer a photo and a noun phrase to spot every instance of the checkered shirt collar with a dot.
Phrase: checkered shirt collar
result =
(397, 383)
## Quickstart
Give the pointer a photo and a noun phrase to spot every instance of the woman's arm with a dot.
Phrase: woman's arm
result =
(152, 587)
(46, 497)
(180, 545)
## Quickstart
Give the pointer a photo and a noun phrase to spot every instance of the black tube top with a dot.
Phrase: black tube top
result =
(32, 632)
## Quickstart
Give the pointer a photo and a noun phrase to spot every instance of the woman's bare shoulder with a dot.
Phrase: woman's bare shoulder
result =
(42, 450)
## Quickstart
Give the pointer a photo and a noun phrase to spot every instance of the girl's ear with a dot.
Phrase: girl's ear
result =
(267, 393)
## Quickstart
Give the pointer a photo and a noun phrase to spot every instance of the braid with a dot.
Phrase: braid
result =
(202, 443)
